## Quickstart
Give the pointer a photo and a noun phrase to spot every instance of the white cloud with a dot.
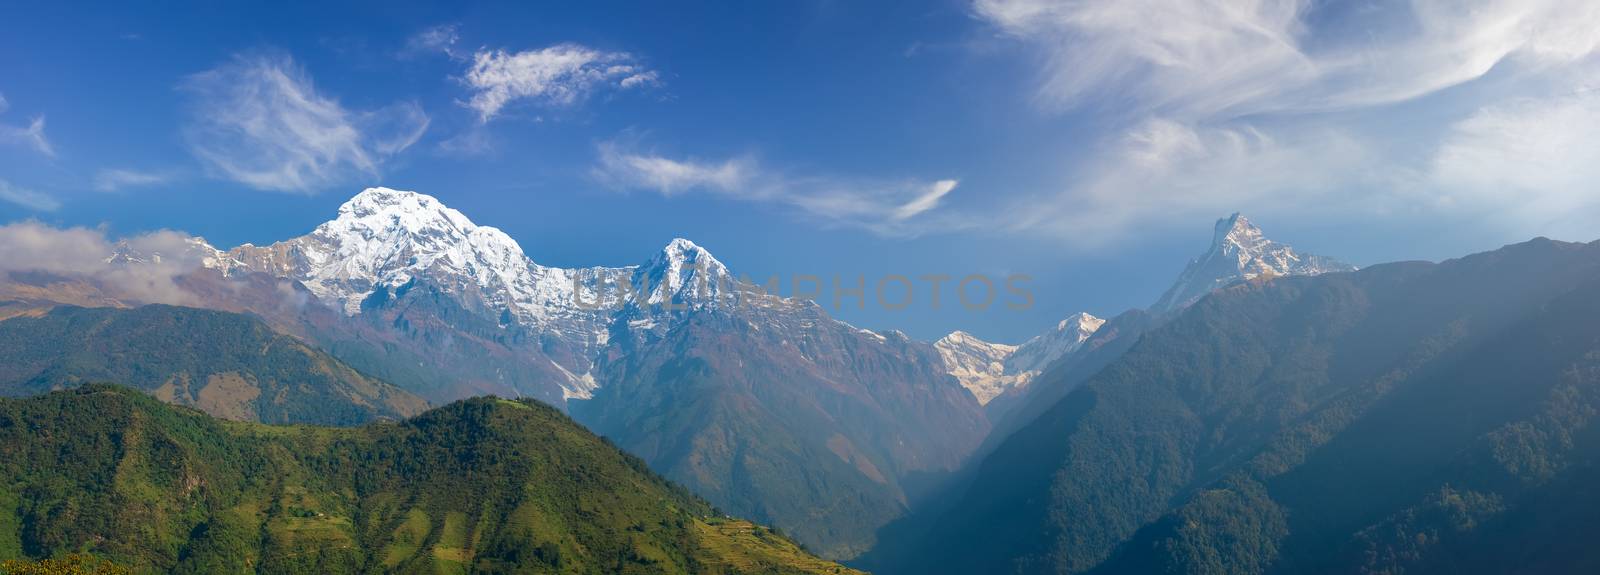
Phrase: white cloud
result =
(112, 180)
(896, 208)
(258, 120)
(83, 253)
(1534, 161)
(927, 201)
(558, 75)
(1211, 58)
(37, 201)
(622, 168)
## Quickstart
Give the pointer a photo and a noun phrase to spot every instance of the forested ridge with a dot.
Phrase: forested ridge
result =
(483, 485)
(1409, 417)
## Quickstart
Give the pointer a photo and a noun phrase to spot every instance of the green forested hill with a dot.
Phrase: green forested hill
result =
(230, 365)
(1407, 418)
(483, 485)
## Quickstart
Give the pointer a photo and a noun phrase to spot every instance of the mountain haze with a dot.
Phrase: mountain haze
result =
(229, 365)
(1411, 416)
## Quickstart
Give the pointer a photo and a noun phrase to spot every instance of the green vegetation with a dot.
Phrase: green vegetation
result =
(75, 564)
(230, 365)
(1411, 418)
(480, 486)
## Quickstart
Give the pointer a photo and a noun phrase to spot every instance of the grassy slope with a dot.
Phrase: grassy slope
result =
(482, 485)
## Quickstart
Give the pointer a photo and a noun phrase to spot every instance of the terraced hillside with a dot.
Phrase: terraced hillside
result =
(483, 485)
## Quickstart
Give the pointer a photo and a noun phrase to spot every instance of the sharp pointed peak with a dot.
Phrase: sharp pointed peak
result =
(1240, 251)
(1235, 228)
(1080, 320)
(683, 250)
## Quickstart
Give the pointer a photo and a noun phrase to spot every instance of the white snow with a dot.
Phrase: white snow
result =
(990, 369)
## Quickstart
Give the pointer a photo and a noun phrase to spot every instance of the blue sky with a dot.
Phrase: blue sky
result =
(1089, 144)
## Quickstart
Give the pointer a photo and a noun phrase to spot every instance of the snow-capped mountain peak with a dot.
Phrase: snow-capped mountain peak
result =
(1038, 353)
(386, 237)
(398, 210)
(683, 273)
(979, 365)
(1239, 252)
(1081, 323)
(990, 369)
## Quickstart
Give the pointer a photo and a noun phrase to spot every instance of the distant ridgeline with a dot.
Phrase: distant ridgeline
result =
(230, 365)
(483, 485)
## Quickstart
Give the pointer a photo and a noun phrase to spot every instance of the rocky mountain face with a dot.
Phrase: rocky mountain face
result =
(990, 370)
(1411, 417)
(787, 416)
(979, 365)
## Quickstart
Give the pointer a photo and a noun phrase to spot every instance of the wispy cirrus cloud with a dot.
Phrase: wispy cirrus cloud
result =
(260, 121)
(1214, 58)
(30, 136)
(559, 75)
(622, 167)
(886, 207)
(111, 180)
(1207, 55)
(1288, 106)
(1169, 173)
(927, 200)
(33, 200)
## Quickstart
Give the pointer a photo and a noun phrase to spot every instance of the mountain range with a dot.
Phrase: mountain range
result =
(999, 375)
(766, 406)
(1272, 412)
(1407, 417)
